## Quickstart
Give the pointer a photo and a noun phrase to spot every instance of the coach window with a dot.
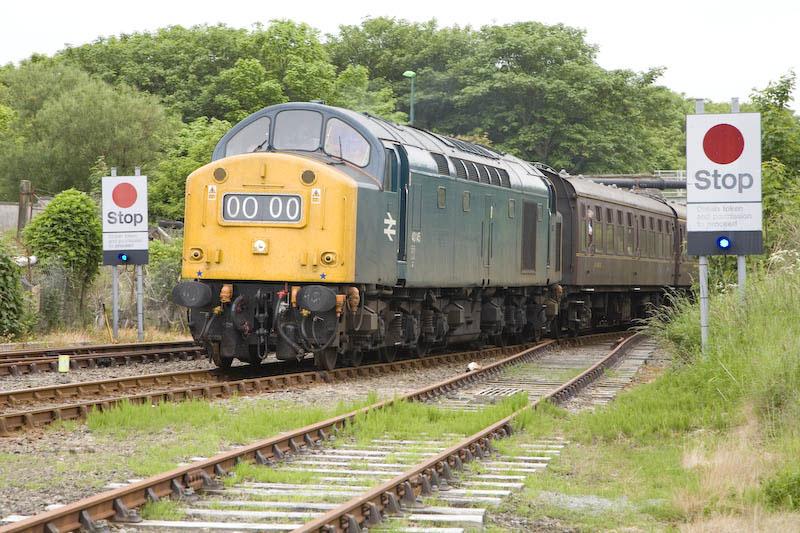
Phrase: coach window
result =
(252, 138)
(297, 129)
(344, 142)
(629, 234)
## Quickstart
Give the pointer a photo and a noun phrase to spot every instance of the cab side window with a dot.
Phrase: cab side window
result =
(391, 172)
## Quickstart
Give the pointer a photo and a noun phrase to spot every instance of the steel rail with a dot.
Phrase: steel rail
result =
(191, 384)
(370, 508)
(90, 349)
(143, 354)
(117, 504)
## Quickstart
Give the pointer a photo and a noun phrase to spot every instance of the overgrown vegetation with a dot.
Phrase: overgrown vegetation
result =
(711, 443)
(11, 300)
(67, 238)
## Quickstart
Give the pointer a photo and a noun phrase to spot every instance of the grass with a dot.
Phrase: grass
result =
(176, 431)
(710, 445)
(407, 420)
(163, 510)
(260, 474)
(93, 335)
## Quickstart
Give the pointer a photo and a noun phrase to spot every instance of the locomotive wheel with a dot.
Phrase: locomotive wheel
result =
(216, 358)
(387, 354)
(420, 350)
(326, 359)
(499, 340)
(355, 358)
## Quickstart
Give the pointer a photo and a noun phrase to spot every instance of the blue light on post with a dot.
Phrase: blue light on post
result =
(723, 243)
(123, 257)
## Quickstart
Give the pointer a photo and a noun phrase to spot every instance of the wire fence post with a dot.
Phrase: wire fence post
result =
(114, 292)
(741, 263)
(139, 290)
(699, 108)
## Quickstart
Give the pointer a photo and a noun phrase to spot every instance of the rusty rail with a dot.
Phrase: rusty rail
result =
(33, 361)
(119, 504)
(192, 384)
(371, 507)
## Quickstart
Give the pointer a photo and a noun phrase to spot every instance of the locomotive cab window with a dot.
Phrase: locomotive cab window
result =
(344, 142)
(252, 138)
(297, 129)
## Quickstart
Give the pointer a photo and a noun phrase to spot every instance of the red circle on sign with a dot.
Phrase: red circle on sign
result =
(723, 144)
(124, 195)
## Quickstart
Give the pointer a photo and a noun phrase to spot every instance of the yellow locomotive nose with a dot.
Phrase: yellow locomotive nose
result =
(270, 217)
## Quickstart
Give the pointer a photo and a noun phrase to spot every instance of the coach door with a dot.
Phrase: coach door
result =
(487, 236)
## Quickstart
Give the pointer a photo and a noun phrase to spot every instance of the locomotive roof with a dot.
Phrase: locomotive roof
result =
(419, 145)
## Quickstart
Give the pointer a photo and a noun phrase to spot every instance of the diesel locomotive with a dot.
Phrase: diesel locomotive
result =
(319, 230)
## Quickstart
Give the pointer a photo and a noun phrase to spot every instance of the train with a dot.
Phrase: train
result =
(320, 231)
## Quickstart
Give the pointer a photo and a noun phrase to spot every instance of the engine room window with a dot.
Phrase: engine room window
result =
(465, 201)
(441, 197)
(512, 208)
(297, 129)
(343, 141)
(252, 138)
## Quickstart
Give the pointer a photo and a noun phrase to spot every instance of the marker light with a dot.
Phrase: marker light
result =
(723, 243)
(123, 257)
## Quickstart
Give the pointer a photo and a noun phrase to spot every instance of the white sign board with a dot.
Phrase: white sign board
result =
(723, 172)
(125, 230)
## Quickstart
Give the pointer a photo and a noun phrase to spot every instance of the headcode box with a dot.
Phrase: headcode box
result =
(125, 231)
(723, 184)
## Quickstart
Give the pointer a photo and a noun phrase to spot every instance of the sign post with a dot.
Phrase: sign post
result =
(723, 189)
(125, 235)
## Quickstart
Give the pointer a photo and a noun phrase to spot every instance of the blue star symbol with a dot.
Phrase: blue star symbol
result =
(322, 276)
(199, 273)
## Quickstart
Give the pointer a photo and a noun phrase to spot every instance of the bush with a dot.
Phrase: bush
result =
(69, 234)
(11, 302)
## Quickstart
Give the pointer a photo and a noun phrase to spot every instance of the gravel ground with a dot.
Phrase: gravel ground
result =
(61, 465)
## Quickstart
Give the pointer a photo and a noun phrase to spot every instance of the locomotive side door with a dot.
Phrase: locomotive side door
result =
(487, 235)
(396, 221)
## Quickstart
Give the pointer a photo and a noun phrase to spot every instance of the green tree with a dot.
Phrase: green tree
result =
(780, 127)
(241, 90)
(69, 233)
(175, 63)
(293, 54)
(62, 129)
(193, 149)
(352, 91)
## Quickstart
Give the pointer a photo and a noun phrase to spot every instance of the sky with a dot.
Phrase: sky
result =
(710, 49)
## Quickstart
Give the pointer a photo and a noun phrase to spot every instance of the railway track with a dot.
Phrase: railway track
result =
(19, 362)
(36, 407)
(356, 485)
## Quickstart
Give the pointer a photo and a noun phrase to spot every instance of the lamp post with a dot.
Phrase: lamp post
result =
(412, 75)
